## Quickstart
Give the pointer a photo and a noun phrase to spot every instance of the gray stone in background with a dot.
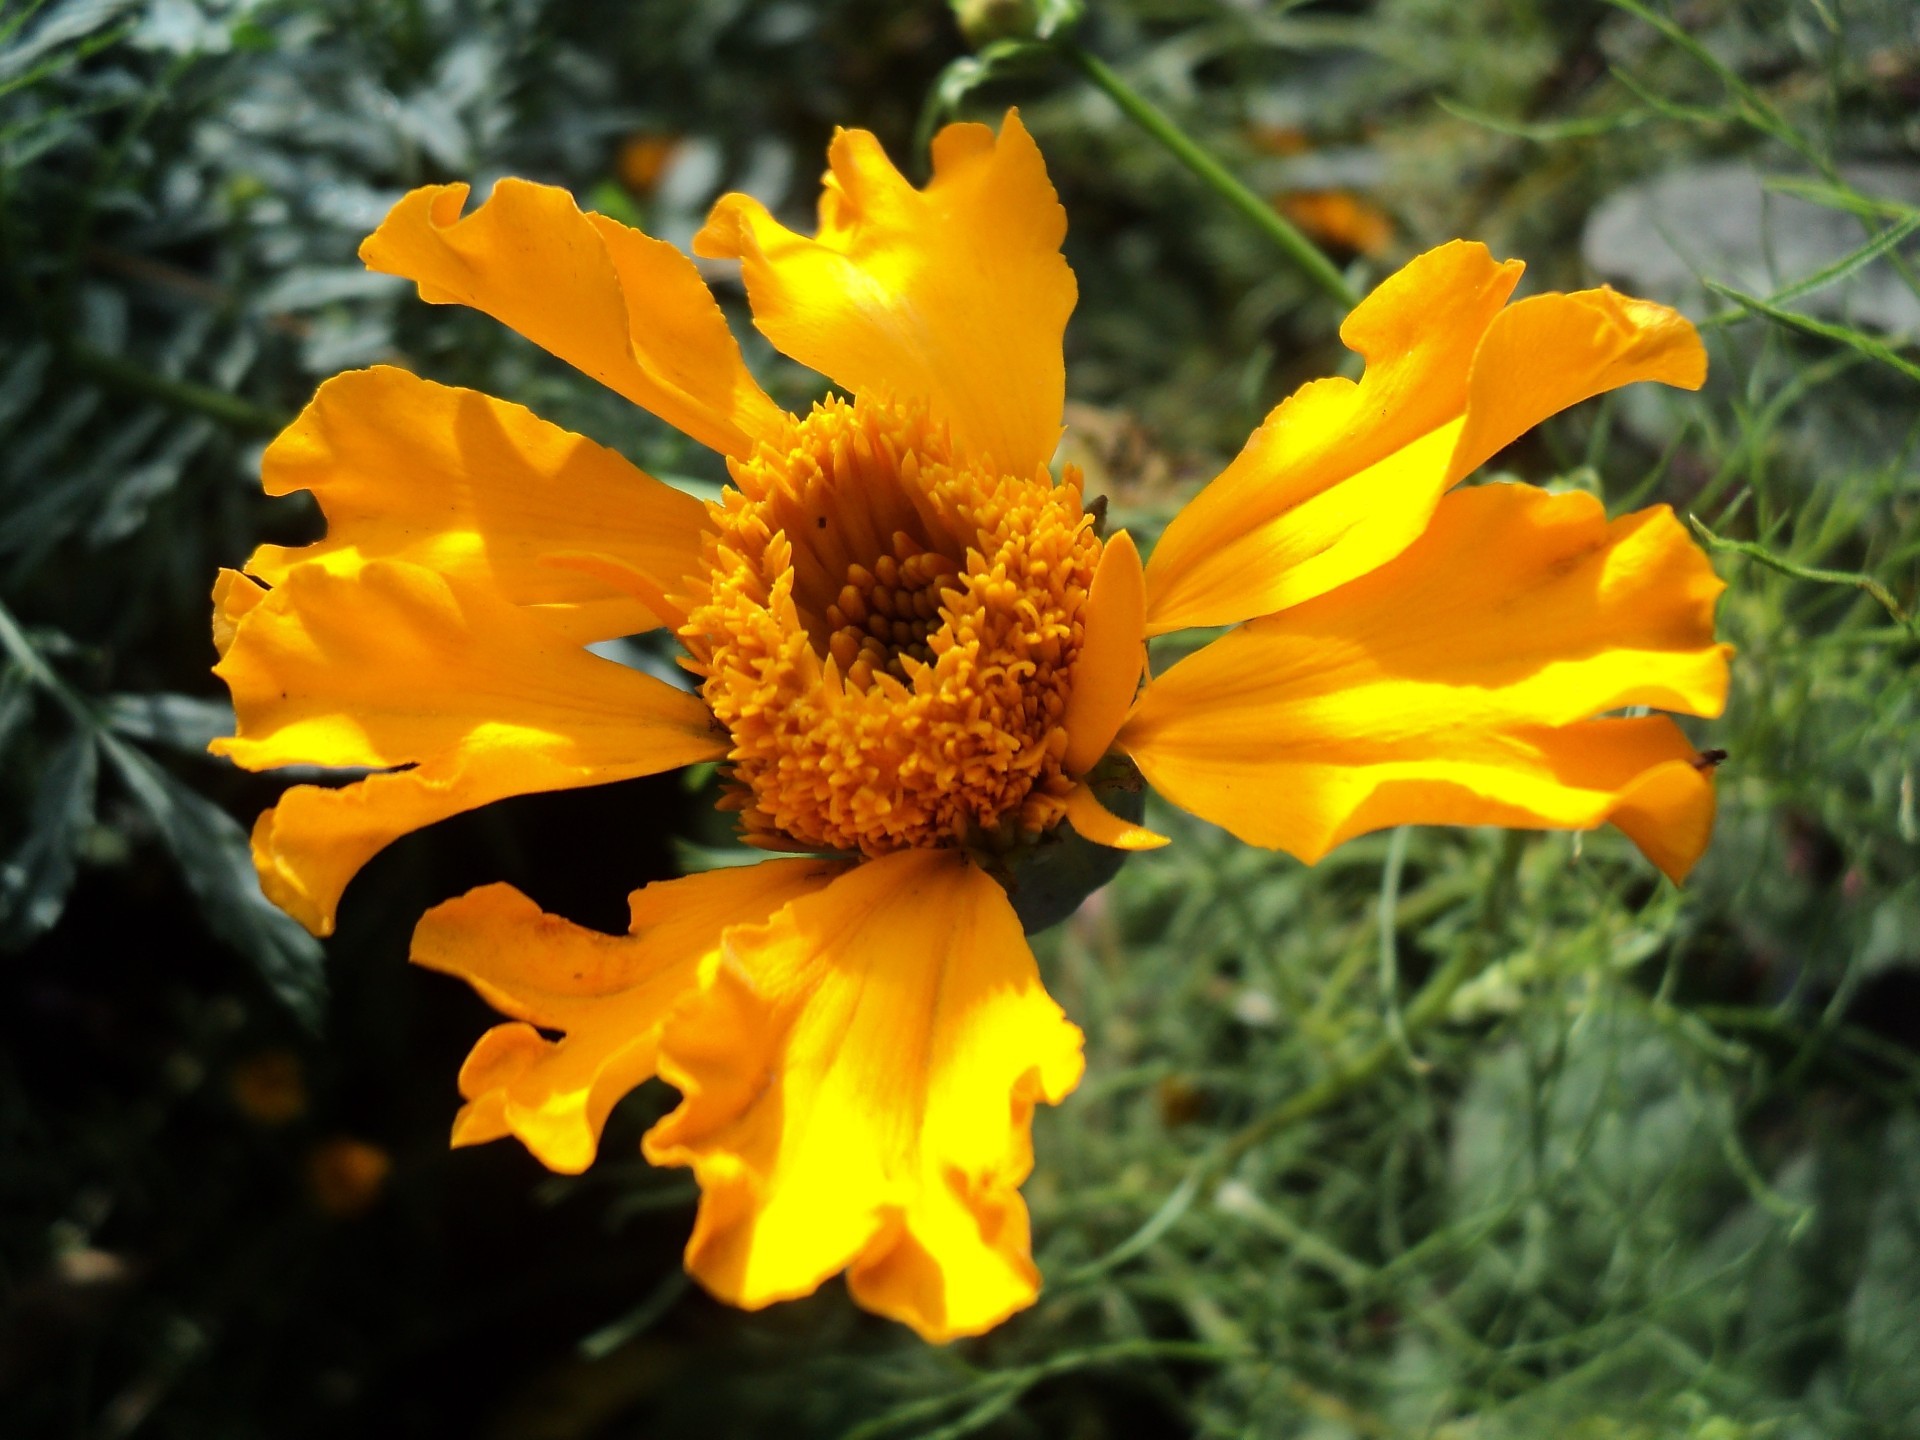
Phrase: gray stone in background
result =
(1658, 238)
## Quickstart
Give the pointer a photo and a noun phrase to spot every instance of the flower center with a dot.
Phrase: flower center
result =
(889, 635)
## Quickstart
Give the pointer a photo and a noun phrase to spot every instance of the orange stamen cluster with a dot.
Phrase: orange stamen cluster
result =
(889, 635)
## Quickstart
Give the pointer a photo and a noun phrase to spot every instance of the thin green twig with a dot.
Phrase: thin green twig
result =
(229, 410)
(1826, 275)
(1843, 334)
(995, 1390)
(1263, 217)
(1467, 960)
(1818, 576)
(1389, 954)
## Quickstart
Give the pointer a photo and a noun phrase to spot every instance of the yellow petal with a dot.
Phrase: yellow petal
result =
(1226, 555)
(399, 665)
(1342, 477)
(233, 596)
(955, 295)
(860, 1075)
(1668, 812)
(606, 994)
(1095, 822)
(629, 310)
(1544, 354)
(1107, 672)
(1445, 687)
(642, 586)
(403, 666)
(479, 490)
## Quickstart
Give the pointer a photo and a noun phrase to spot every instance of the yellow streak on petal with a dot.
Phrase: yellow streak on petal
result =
(859, 1077)
(1111, 657)
(621, 575)
(1222, 556)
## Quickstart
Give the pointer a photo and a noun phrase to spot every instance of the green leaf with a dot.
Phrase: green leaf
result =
(1842, 334)
(967, 74)
(38, 875)
(1883, 1317)
(16, 703)
(214, 856)
(180, 722)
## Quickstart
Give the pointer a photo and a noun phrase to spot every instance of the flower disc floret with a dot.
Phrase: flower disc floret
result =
(888, 630)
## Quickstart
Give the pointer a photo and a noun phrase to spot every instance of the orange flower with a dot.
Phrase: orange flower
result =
(643, 159)
(1339, 218)
(913, 648)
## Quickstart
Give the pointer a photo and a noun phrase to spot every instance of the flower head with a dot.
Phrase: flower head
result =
(913, 648)
(888, 630)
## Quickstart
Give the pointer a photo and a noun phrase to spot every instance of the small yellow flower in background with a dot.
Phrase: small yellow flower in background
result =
(913, 649)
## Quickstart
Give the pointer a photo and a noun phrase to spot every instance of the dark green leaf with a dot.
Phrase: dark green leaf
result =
(37, 876)
(181, 722)
(213, 854)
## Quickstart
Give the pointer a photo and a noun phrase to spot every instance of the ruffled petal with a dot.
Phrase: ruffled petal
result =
(233, 596)
(1112, 655)
(629, 310)
(1549, 352)
(860, 1075)
(1449, 686)
(956, 295)
(1668, 811)
(401, 666)
(607, 995)
(1342, 476)
(480, 490)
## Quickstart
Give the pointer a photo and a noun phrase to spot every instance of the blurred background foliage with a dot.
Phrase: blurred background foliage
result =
(1458, 1135)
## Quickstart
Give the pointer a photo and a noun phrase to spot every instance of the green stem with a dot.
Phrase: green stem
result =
(1818, 576)
(1010, 1384)
(228, 409)
(1302, 251)
(1822, 329)
(1429, 1006)
(1389, 951)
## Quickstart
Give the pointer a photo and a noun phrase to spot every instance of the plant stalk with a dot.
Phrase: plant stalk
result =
(1262, 216)
(229, 410)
